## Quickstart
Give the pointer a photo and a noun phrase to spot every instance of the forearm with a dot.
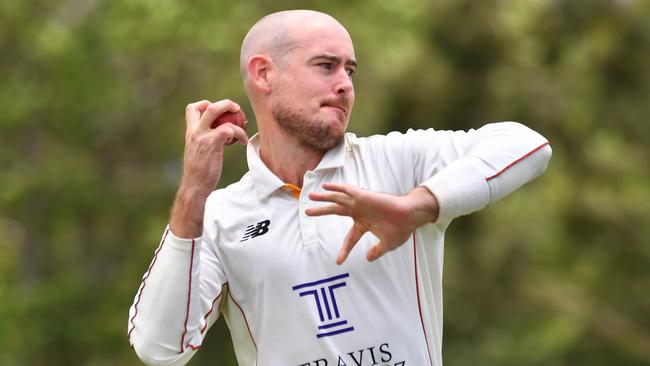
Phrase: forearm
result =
(501, 158)
(202, 162)
(188, 210)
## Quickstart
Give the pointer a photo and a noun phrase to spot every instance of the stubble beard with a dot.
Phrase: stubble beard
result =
(312, 133)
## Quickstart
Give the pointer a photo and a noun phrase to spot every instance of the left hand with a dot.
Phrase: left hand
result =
(390, 218)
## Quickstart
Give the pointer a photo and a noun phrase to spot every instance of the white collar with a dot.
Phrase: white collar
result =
(266, 182)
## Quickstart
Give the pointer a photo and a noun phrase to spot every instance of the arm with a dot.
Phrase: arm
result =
(456, 173)
(181, 290)
(178, 300)
(482, 166)
(202, 163)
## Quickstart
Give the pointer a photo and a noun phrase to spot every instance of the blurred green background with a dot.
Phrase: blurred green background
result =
(92, 98)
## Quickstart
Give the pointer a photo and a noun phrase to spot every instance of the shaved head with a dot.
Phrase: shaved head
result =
(297, 67)
(277, 33)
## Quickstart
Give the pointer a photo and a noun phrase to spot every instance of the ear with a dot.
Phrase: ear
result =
(259, 70)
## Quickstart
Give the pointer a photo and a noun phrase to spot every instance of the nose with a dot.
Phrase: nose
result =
(344, 83)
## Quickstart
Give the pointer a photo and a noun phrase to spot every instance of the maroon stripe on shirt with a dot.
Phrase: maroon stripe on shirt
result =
(143, 282)
(417, 290)
(516, 161)
(189, 292)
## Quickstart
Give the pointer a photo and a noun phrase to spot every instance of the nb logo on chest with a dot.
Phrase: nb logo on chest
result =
(255, 230)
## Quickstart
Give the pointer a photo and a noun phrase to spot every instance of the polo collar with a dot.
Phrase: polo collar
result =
(266, 182)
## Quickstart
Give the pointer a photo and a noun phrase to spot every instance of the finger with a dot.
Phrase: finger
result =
(228, 133)
(327, 210)
(334, 197)
(216, 109)
(238, 134)
(193, 112)
(350, 241)
(338, 187)
(376, 251)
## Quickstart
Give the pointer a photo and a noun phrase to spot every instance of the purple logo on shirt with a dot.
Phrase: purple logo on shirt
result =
(323, 294)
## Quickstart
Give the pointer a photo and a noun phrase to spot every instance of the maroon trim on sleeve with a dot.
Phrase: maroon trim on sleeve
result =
(417, 290)
(205, 318)
(516, 161)
(247, 326)
(189, 293)
(205, 326)
(194, 348)
(146, 275)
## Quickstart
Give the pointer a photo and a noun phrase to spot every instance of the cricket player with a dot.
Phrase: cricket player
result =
(329, 250)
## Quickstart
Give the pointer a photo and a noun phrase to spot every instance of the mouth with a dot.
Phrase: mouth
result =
(337, 107)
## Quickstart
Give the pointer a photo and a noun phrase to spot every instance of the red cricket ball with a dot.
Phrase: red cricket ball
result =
(236, 118)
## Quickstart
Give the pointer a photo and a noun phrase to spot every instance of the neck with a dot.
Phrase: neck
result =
(286, 157)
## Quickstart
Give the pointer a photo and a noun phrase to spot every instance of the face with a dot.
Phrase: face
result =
(313, 95)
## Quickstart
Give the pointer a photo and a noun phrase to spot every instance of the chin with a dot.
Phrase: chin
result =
(336, 131)
(325, 140)
(338, 123)
(317, 131)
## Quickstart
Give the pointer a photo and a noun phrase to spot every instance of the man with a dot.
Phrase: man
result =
(329, 250)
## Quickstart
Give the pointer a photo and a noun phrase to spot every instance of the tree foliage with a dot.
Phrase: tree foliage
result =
(92, 100)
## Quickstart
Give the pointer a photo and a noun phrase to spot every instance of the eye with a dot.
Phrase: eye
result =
(351, 71)
(326, 65)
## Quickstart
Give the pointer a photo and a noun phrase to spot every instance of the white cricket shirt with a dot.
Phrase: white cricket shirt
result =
(271, 271)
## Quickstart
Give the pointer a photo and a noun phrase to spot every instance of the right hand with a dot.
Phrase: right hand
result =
(202, 163)
(204, 146)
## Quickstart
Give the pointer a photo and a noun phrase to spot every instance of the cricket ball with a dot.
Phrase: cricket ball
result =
(236, 118)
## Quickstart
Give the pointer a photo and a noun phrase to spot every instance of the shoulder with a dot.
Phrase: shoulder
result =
(392, 137)
(393, 142)
(355, 142)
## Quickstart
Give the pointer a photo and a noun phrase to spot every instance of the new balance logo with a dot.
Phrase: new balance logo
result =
(254, 230)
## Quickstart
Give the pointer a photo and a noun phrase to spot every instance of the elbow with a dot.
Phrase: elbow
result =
(147, 354)
(154, 354)
(545, 153)
(531, 139)
(524, 136)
